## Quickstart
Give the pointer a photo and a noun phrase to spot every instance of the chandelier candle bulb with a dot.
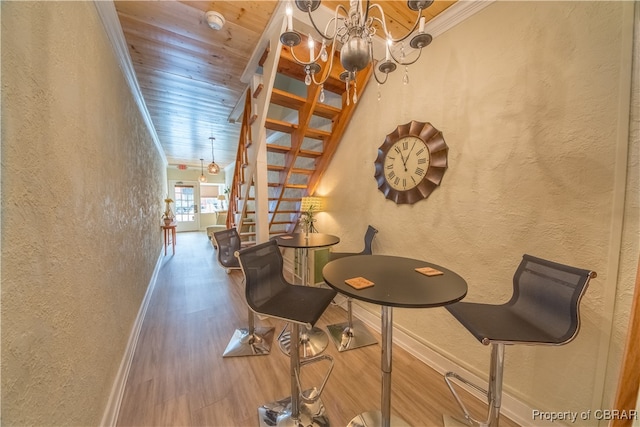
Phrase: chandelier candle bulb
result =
(289, 12)
(388, 50)
(312, 54)
(421, 28)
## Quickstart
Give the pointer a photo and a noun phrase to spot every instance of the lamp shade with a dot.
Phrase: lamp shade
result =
(315, 204)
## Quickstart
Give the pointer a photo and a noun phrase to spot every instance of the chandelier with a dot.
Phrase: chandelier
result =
(213, 167)
(354, 31)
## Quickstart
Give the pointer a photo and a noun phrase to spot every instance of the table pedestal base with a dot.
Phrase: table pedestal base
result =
(278, 413)
(312, 342)
(348, 338)
(374, 419)
(245, 344)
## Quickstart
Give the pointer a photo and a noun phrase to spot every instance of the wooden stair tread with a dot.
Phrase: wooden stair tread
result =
(280, 125)
(317, 133)
(278, 148)
(310, 153)
(295, 102)
(302, 171)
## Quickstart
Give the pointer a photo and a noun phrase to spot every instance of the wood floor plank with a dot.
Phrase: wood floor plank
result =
(179, 378)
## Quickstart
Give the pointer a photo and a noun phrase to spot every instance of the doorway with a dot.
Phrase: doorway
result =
(186, 205)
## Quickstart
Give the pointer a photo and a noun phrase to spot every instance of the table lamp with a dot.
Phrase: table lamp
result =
(308, 206)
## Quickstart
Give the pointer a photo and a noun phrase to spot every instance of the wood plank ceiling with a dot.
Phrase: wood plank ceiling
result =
(189, 74)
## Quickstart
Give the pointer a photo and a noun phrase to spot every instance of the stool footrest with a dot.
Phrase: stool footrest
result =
(467, 416)
(314, 394)
(493, 393)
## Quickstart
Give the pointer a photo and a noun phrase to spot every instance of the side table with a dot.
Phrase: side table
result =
(169, 231)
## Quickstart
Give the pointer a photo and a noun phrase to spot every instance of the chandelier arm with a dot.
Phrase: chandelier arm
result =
(335, 19)
(326, 77)
(374, 65)
(406, 63)
(366, 13)
(381, 82)
(313, 60)
(299, 61)
(384, 24)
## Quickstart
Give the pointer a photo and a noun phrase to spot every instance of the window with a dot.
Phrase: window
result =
(209, 198)
(184, 202)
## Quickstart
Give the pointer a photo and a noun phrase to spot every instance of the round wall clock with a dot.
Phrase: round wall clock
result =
(411, 162)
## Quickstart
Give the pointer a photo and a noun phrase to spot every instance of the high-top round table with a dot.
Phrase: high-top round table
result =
(396, 284)
(314, 340)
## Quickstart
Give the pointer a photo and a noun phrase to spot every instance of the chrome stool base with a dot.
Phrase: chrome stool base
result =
(374, 419)
(312, 342)
(346, 338)
(245, 344)
(450, 421)
(278, 413)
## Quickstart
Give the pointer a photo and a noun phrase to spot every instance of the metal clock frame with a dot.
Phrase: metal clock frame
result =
(438, 163)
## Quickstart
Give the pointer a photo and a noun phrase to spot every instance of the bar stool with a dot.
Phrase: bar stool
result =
(349, 335)
(228, 242)
(252, 340)
(543, 310)
(268, 293)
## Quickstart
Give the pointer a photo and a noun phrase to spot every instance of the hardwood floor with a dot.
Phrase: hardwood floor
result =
(179, 377)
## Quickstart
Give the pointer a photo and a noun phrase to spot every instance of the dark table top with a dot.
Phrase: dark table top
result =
(396, 283)
(302, 240)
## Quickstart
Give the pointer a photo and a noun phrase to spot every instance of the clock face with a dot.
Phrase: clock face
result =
(411, 162)
(406, 163)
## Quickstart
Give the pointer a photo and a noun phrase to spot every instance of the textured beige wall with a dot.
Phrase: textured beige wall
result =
(532, 98)
(81, 199)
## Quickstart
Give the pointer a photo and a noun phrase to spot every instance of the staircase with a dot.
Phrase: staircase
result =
(300, 136)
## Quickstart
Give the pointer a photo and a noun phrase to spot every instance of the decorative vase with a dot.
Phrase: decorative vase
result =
(167, 221)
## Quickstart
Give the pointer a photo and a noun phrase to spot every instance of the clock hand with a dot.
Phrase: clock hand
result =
(414, 144)
(404, 162)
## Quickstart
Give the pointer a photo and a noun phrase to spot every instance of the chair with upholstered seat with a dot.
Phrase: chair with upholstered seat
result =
(220, 224)
(352, 334)
(252, 340)
(228, 242)
(268, 293)
(543, 310)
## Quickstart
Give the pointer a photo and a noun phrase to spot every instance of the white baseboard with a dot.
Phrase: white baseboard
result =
(511, 407)
(110, 416)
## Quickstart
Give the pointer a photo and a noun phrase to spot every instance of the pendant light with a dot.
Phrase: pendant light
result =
(202, 178)
(213, 167)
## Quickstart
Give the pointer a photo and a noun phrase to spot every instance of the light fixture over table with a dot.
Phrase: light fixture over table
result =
(355, 33)
(202, 178)
(213, 167)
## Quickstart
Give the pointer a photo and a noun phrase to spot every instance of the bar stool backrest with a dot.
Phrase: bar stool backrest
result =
(268, 292)
(228, 242)
(368, 240)
(547, 294)
(262, 266)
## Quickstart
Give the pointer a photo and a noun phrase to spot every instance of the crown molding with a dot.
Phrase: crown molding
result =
(111, 23)
(454, 15)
